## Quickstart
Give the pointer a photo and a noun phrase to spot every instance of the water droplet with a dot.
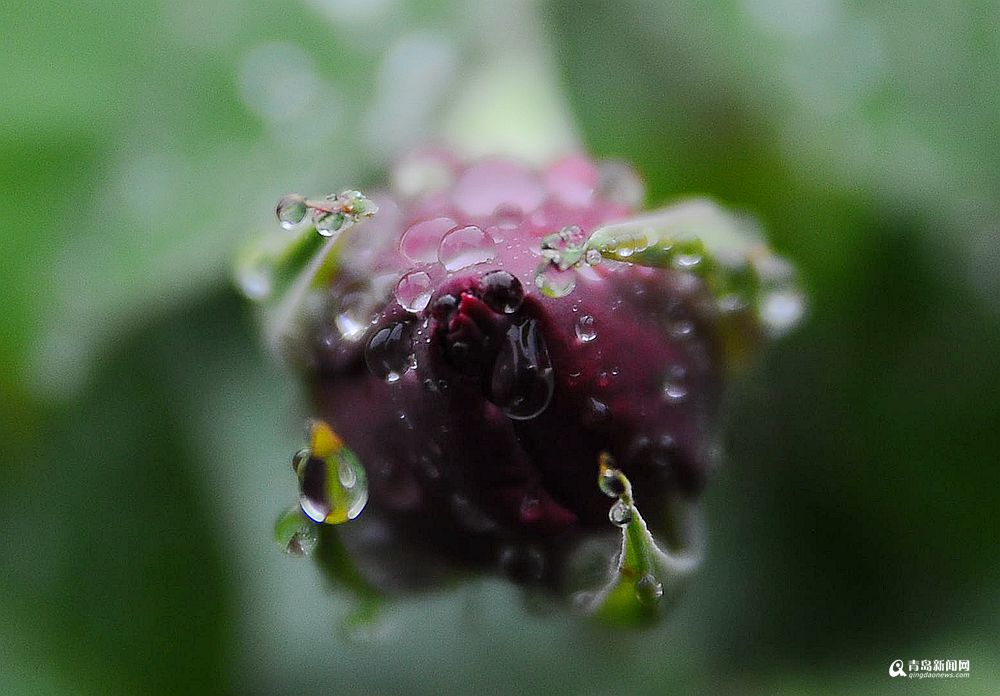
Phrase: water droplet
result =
(420, 241)
(598, 411)
(611, 482)
(565, 247)
(413, 291)
(585, 330)
(675, 392)
(523, 381)
(648, 590)
(620, 514)
(522, 564)
(687, 262)
(291, 210)
(507, 216)
(466, 246)
(388, 352)
(299, 458)
(619, 183)
(674, 389)
(593, 257)
(324, 493)
(295, 533)
(502, 291)
(682, 329)
(553, 281)
(349, 326)
(328, 224)
(780, 311)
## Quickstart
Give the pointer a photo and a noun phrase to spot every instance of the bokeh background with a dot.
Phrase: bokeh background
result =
(145, 435)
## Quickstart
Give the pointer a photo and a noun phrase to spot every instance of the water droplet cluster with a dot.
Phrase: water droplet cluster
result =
(330, 216)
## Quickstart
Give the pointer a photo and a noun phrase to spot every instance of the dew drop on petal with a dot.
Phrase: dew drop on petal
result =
(682, 329)
(466, 246)
(523, 381)
(421, 239)
(674, 388)
(291, 210)
(413, 291)
(502, 291)
(585, 331)
(388, 352)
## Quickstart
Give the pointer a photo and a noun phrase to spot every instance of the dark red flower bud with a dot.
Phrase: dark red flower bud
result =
(483, 344)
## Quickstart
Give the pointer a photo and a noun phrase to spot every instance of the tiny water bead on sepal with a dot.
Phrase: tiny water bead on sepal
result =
(296, 534)
(333, 487)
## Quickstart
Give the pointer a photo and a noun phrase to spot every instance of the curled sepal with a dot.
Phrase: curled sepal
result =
(644, 575)
(282, 270)
(333, 487)
(755, 290)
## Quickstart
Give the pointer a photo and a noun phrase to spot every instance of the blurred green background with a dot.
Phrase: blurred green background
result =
(145, 435)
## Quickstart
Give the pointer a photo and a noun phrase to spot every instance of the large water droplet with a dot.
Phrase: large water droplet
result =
(421, 239)
(466, 246)
(291, 210)
(620, 514)
(333, 488)
(523, 381)
(554, 281)
(585, 331)
(413, 291)
(502, 291)
(388, 352)
(329, 224)
(611, 482)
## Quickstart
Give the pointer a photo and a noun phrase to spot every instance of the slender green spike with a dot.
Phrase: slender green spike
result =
(643, 572)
